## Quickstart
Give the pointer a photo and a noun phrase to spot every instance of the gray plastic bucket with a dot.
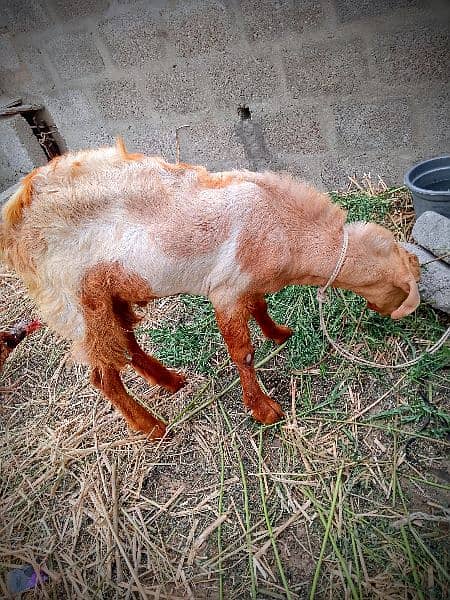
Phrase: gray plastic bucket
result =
(429, 184)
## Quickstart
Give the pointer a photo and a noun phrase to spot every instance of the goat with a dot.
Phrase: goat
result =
(95, 232)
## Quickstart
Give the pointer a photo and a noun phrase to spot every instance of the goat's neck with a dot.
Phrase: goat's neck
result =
(318, 256)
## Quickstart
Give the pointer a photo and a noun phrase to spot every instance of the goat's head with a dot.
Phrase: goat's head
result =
(389, 273)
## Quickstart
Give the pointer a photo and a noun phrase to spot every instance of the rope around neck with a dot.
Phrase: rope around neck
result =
(322, 298)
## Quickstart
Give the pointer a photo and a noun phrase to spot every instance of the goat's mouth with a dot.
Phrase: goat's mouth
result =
(378, 309)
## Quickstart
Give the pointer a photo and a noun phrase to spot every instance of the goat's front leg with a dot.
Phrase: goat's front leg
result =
(233, 324)
(258, 309)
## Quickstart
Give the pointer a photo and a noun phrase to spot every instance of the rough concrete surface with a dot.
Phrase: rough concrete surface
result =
(334, 87)
(432, 231)
(434, 285)
(20, 151)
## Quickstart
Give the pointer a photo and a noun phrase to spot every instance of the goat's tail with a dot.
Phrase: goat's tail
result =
(12, 212)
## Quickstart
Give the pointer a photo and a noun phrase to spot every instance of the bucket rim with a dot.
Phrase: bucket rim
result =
(414, 188)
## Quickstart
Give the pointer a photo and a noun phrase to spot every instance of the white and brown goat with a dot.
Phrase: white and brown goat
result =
(95, 232)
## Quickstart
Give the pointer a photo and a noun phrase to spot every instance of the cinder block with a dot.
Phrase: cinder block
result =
(376, 125)
(251, 135)
(432, 116)
(199, 27)
(75, 55)
(69, 107)
(69, 10)
(181, 87)
(91, 136)
(269, 19)
(209, 142)
(230, 164)
(134, 39)
(9, 58)
(20, 147)
(293, 130)
(350, 10)
(389, 166)
(241, 78)
(413, 55)
(150, 139)
(334, 67)
(33, 58)
(120, 99)
(306, 168)
(24, 15)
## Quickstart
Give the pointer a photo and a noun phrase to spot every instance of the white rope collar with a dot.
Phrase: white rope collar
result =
(322, 297)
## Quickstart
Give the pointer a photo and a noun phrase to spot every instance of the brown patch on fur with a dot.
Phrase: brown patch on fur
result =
(195, 237)
(204, 177)
(101, 288)
(107, 293)
(214, 181)
(75, 168)
(281, 224)
(13, 209)
(124, 152)
(173, 167)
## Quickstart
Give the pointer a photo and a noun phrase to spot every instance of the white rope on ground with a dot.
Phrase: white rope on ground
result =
(321, 298)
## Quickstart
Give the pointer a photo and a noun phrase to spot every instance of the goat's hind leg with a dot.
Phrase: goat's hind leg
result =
(257, 307)
(107, 379)
(151, 369)
(146, 366)
(108, 322)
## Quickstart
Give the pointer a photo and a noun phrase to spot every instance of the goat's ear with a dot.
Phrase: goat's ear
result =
(411, 303)
(414, 265)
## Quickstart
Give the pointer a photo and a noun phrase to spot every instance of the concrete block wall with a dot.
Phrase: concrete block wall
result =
(335, 87)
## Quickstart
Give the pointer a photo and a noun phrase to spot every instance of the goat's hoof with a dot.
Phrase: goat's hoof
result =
(266, 411)
(177, 381)
(283, 334)
(154, 428)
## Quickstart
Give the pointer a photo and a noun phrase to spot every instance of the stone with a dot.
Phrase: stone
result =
(336, 169)
(9, 58)
(209, 143)
(432, 231)
(68, 10)
(434, 284)
(92, 136)
(24, 15)
(292, 129)
(70, 107)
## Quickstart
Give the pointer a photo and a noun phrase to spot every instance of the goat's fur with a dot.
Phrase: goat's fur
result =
(94, 232)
